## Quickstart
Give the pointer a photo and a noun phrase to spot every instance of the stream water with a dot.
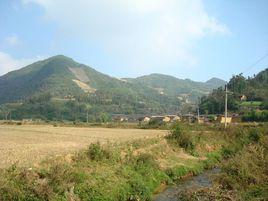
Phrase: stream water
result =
(203, 180)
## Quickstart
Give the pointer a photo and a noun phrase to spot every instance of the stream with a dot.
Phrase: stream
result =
(203, 180)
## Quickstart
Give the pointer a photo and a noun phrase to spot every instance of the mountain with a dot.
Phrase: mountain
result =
(215, 82)
(180, 88)
(73, 87)
(59, 75)
(62, 76)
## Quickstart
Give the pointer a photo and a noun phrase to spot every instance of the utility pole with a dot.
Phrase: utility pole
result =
(189, 118)
(198, 113)
(226, 104)
(7, 115)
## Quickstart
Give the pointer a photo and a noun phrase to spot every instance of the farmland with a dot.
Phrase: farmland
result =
(28, 144)
(135, 164)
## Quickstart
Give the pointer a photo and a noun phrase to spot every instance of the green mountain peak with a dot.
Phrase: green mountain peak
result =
(61, 76)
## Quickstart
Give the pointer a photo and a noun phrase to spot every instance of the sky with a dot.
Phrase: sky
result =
(196, 39)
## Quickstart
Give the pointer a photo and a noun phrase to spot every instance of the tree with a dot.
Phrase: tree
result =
(87, 108)
(103, 117)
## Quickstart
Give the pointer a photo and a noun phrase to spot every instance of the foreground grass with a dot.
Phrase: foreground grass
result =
(244, 173)
(129, 171)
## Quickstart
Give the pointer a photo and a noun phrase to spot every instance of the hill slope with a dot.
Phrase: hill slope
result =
(253, 90)
(75, 87)
(58, 75)
(215, 82)
(183, 89)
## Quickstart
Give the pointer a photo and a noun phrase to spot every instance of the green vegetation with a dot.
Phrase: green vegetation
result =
(174, 87)
(251, 103)
(254, 90)
(244, 169)
(257, 116)
(134, 170)
(182, 137)
(48, 90)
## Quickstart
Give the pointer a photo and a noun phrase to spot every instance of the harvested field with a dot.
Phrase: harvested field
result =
(27, 145)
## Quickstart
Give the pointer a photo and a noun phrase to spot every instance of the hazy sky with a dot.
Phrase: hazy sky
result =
(126, 38)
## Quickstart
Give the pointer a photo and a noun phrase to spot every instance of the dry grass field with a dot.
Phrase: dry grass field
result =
(27, 145)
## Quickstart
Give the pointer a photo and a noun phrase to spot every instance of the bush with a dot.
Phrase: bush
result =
(97, 153)
(247, 170)
(182, 138)
(227, 152)
(139, 189)
(146, 160)
(254, 135)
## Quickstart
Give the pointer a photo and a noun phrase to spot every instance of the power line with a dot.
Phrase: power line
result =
(255, 63)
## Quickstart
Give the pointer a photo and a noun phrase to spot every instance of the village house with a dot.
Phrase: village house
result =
(120, 118)
(243, 98)
(188, 118)
(144, 119)
(165, 119)
(221, 119)
(200, 120)
(160, 118)
(174, 118)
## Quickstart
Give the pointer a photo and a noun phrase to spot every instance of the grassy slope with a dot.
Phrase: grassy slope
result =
(244, 174)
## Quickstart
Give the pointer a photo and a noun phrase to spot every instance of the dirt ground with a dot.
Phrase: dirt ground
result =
(27, 145)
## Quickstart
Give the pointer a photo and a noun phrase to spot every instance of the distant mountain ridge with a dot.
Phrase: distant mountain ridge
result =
(62, 76)
(216, 82)
(172, 86)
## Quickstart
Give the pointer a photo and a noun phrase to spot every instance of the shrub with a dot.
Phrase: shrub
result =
(246, 170)
(212, 159)
(182, 138)
(97, 153)
(146, 160)
(139, 189)
(254, 135)
(227, 152)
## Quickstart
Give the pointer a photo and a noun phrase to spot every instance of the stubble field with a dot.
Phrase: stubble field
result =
(27, 145)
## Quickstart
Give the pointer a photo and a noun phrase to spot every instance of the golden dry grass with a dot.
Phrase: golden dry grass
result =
(29, 144)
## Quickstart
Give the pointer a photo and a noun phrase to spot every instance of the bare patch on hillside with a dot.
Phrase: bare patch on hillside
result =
(80, 74)
(86, 88)
(160, 90)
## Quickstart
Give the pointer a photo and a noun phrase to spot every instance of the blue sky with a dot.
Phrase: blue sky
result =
(127, 38)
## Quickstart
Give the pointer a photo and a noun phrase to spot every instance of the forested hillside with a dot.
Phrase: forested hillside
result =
(59, 88)
(243, 93)
(183, 89)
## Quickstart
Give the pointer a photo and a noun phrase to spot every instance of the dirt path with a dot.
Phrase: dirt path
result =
(26, 145)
